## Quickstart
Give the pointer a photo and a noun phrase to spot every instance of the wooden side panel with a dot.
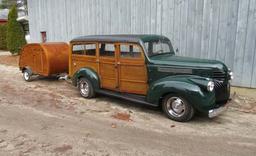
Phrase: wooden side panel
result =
(31, 57)
(133, 76)
(57, 57)
(25, 57)
(80, 61)
(132, 70)
(38, 60)
(108, 73)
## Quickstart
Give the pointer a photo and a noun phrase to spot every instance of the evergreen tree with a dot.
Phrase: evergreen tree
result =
(15, 33)
(3, 31)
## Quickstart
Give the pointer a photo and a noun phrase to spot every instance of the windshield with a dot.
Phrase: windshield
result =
(158, 47)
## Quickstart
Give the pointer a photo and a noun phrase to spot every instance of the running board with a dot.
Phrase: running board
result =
(129, 97)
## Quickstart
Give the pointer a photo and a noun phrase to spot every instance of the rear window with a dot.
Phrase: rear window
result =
(84, 49)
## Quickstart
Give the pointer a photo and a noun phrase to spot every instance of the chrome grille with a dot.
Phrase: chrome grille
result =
(219, 75)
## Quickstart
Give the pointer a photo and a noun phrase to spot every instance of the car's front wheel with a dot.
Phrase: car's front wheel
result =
(86, 88)
(177, 108)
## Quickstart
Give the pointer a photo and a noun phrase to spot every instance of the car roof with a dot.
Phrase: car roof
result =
(120, 38)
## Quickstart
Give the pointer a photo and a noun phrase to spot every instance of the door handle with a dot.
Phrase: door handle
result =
(116, 65)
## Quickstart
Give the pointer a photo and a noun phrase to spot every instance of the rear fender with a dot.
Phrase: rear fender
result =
(89, 74)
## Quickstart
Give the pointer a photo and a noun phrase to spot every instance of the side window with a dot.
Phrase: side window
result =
(90, 49)
(84, 49)
(107, 50)
(78, 49)
(130, 51)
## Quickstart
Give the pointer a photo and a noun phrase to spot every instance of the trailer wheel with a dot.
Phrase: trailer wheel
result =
(27, 75)
(86, 88)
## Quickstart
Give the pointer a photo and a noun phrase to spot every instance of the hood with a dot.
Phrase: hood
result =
(189, 62)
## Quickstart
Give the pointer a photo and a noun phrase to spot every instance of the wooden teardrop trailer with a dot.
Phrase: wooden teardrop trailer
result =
(44, 59)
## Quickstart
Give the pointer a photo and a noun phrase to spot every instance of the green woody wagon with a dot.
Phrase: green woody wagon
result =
(145, 69)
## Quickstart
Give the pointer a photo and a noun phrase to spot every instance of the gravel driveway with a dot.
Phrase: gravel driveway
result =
(48, 117)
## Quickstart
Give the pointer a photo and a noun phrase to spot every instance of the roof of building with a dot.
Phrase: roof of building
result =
(120, 38)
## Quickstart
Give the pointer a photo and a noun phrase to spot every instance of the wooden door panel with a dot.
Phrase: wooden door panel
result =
(80, 61)
(108, 73)
(133, 79)
(108, 83)
(133, 76)
(107, 70)
(133, 72)
(134, 87)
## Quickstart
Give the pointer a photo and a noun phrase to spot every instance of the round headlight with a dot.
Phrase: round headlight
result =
(210, 86)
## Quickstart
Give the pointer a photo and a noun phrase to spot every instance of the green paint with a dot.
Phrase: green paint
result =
(184, 76)
(89, 74)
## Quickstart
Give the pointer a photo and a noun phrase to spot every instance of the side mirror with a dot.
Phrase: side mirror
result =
(177, 50)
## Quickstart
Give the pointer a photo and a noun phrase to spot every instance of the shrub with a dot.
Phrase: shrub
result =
(15, 33)
(3, 31)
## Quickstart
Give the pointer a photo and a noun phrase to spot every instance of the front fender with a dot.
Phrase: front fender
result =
(89, 74)
(185, 86)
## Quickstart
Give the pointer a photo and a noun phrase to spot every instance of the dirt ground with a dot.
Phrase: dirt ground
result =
(48, 117)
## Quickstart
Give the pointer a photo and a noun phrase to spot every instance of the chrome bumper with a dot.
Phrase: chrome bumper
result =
(215, 112)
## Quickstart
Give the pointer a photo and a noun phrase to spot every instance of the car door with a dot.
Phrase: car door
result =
(108, 71)
(132, 69)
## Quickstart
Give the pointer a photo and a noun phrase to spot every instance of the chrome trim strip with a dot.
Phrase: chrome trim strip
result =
(175, 70)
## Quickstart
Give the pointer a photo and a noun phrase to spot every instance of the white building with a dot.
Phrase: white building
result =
(215, 29)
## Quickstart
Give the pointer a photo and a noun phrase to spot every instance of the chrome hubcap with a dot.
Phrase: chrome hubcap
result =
(26, 75)
(84, 88)
(175, 106)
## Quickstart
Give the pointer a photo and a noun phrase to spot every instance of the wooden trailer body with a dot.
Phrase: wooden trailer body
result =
(45, 58)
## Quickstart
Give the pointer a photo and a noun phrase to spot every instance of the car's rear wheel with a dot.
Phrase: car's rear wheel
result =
(86, 88)
(177, 108)
(27, 75)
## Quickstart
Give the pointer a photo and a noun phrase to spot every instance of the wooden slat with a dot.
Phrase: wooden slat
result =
(240, 40)
(215, 29)
(249, 46)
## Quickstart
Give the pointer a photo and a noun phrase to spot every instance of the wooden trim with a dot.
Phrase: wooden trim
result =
(70, 60)
(140, 85)
(84, 56)
(128, 80)
(117, 63)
